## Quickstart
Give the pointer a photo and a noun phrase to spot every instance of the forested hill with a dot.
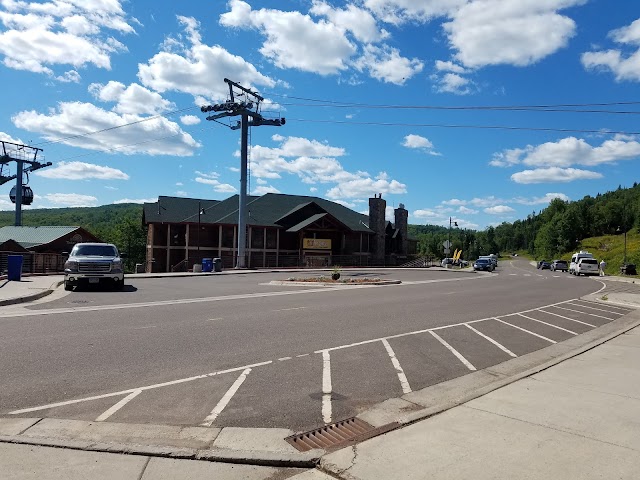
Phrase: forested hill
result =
(100, 221)
(561, 226)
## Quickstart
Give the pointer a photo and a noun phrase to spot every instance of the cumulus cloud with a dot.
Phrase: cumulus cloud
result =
(541, 200)
(81, 171)
(42, 36)
(8, 138)
(190, 119)
(386, 64)
(212, 179)
(453, 83)
(420, 143)
(76, 124)
(134, 99)
(499, 210)
(135, 200)
(495, 32)
(188, 66)
(294, 40)
(360, 22)
(264, 189)
(467, 211)
(624, 62)
(315, 162)
(570, 151)
(398, 12)
(71, 200)
(554, 175)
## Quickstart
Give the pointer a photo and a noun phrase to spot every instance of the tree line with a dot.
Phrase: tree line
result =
(553, 231)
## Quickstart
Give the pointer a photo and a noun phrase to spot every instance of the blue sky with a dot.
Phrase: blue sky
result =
(380, 96)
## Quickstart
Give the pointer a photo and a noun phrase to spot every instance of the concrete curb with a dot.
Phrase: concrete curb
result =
(32, 297)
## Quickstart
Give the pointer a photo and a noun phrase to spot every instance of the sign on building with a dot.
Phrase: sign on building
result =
(316, 243)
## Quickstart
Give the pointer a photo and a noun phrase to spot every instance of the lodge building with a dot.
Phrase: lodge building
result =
(282, 231)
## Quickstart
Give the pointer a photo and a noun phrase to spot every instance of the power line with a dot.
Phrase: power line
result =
(485, 127)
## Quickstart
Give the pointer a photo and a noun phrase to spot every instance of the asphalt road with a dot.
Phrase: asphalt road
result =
(232, 350)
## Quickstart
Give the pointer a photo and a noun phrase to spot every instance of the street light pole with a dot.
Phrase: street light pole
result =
(449, 240)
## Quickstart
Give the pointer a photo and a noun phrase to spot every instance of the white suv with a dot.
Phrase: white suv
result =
(587, 266)
(94, 263)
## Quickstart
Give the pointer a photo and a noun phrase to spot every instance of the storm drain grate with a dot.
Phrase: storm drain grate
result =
(330, 435)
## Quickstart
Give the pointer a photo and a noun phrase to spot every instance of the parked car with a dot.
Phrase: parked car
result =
(544, 265)
(540, 263)
(94, 263)
(484, 264)
(561, 265)
(587, 266)
(575, 258)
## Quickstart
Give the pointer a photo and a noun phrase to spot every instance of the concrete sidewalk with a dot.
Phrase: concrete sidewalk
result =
(29, 288)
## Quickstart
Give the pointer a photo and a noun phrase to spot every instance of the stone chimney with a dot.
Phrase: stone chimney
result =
(377, 223)
(402, 224)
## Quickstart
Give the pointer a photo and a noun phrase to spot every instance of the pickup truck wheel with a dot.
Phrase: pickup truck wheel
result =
(118, 284)
(68, 286)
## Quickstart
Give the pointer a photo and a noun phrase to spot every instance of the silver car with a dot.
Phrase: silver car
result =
(94, 263)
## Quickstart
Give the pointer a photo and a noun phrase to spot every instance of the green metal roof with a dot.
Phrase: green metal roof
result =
(307, 222)
(265, 210)
(32, 236)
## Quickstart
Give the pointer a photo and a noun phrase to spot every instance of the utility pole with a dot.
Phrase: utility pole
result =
(21, 154)
(456, 224)
(246, 110)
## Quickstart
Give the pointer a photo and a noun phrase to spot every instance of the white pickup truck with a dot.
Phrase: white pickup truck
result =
(94, 263)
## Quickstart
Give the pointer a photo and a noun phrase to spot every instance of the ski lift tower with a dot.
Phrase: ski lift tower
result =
(21, 194)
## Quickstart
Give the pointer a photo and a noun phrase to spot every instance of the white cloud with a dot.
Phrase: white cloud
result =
(71, 200)
(499, 210)
(554, 175)
(356, 20)
(82, 171)
(179, 184)
(74, 123)
(346, 204)
(420, 143)
(190, 119)
(427, 213)
(181, 193)
(541, 200)
(453, 83)
(454, 202)
(570, 151)
(385, 63)
(485, 202)
(261, 181)
(134, 99)
(313, 189)
(625, 65)
(313, 162)
(8, 138)
(494, 32)
(467, 211)
(264, 189)
(401, 11)
(42, 36)
(136, 200)
(294, 40)
(212, 179)
(69, 77)
(188, 66)
(449, 66)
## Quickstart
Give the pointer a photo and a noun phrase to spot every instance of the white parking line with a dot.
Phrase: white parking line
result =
(584, 313)
(525, 330)
(326, 387)
(549, 324)
(593, 308)
(567, 318)
(118, 406)
(501, 347)
(225, 399)
(131, 390)
(466, 362)
(396, 364)
(626, 309)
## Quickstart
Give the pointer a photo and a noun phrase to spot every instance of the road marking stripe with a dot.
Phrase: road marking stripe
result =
(396, 364)
(593, 308)
(513, 274)
(118, 406)
(549, 324)
(303, 355)
(567, 318)
(131, 390)
(289, 309)
(501, 347)
(525, 330)
(326, 386)
(466, 362)
(224, 401)
(527, 275)
(284, 358)
(608, 305)
(584, 313)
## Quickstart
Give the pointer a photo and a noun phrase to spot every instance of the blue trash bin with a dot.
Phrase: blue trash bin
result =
(14, 267)
(207, 264)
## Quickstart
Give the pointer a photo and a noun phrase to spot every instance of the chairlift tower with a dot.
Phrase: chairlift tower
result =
(21, 154)
(249, 109)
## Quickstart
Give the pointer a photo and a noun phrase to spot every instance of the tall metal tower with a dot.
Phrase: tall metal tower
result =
(245, 109)
(21, 154)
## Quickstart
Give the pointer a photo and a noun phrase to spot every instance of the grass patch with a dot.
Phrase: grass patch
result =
(331, 280)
